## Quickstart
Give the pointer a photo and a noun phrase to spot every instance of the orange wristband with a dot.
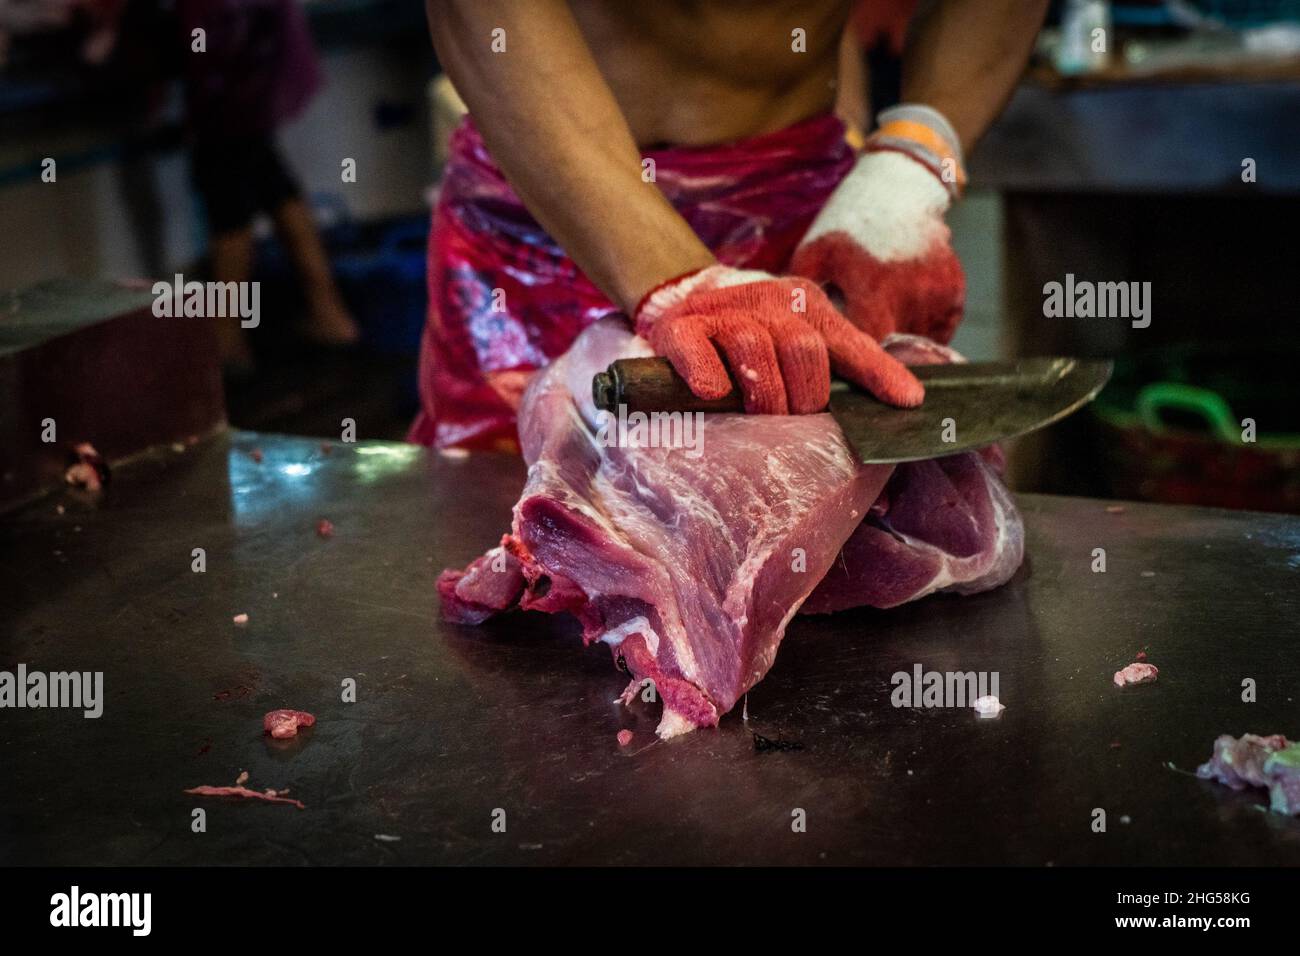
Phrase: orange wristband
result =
(929, 140)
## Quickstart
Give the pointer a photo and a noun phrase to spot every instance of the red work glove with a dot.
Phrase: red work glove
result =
(881, 239)
(781, 337)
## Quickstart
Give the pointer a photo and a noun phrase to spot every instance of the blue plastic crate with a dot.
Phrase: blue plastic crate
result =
(385, 287)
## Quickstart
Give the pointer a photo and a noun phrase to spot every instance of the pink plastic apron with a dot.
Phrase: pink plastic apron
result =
(749, 201)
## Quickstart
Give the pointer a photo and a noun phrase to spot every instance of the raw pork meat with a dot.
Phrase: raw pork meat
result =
(1137, 673)
(87, 468)
(490, 584)
(690, 567)
(1272, 762)
(283, 724)
(947, 524)
(269, 796)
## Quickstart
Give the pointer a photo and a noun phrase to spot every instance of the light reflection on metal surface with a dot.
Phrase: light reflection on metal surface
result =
(373, 462)
(281, 481)
(292, 473)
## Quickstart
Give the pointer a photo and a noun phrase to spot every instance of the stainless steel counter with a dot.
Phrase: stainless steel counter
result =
(451, 723)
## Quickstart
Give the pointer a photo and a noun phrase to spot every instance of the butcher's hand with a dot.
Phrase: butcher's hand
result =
(881, 241)
(780, 337)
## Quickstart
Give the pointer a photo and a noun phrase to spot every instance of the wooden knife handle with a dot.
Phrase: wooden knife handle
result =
(652, 385)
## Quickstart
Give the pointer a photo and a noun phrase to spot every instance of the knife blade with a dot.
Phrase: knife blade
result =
(967, 405)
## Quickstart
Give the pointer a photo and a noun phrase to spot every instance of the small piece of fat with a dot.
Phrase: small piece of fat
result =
(988, 706)
(1137, 673)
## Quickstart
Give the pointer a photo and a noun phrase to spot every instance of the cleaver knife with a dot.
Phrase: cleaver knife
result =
(967, 404)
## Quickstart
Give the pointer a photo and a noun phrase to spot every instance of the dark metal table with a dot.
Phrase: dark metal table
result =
(451, 723)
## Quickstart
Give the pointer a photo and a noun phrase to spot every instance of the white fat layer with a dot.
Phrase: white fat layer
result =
(637, 625)
(897, 341)
(889, 204)
(673, 724)
(833, 456)
(544, 478)
(963, 570)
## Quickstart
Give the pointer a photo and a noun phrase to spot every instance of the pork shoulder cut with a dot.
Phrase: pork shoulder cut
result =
(690, 562)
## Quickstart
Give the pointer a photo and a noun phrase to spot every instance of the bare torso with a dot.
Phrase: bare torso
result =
(705, 71)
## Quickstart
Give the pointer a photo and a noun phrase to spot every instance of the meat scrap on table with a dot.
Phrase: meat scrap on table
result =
(87, 468)
(690, 568)
(1272, 762)
(1136, 673)
(267, 796)
(283, 724)
(277, 723)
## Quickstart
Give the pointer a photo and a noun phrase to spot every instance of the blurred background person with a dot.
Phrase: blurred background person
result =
(258, 70)
(1060, 189)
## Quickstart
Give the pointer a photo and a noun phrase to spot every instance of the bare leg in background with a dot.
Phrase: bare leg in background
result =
(328, 320)
(232, 261)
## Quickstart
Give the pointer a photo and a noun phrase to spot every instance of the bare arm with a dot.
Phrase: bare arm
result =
(963, 57)
(556, 130)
